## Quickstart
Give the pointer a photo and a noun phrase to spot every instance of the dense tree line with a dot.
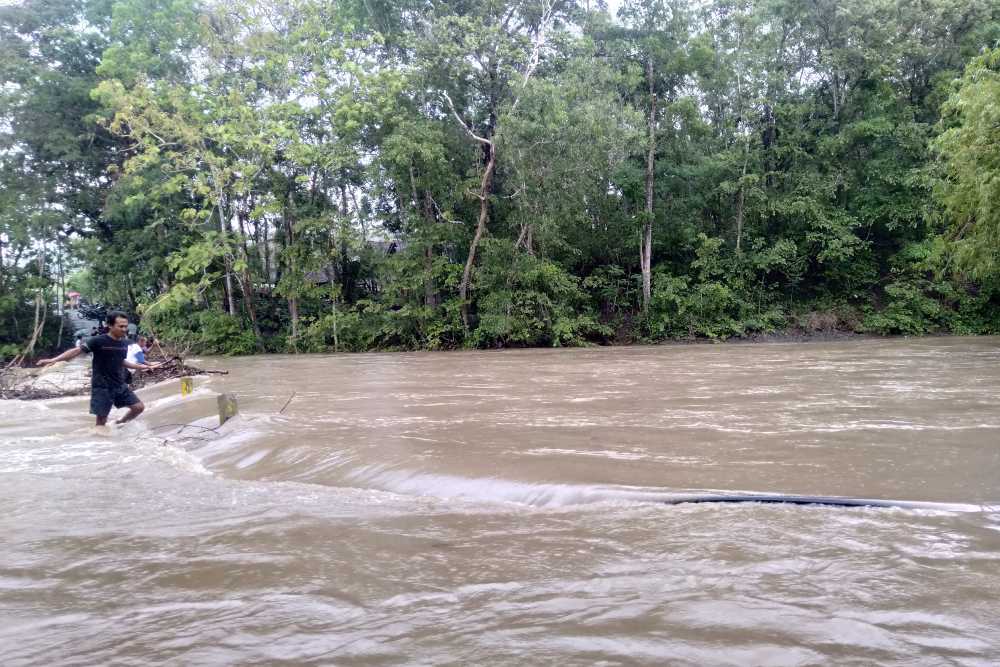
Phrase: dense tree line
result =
(361, 174)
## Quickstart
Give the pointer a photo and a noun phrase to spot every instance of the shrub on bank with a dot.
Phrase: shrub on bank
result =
(522, 300)
(527, 301)
(203, 332)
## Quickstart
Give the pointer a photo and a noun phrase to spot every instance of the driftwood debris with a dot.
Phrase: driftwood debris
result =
(33, 392)
(28, 383)
(173, 368)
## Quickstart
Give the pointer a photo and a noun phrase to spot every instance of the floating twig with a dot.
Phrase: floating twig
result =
(286, 403)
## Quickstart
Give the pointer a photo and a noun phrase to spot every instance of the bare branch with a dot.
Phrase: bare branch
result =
(461, 122)
(536, 49)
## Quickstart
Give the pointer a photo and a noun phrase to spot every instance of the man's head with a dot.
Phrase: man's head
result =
(117, 324)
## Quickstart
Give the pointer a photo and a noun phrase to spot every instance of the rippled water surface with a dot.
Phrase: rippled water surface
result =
(505, 508)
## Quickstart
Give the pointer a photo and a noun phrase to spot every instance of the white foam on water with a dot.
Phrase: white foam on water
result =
(482, 489)
(55, 455)
(174, 456)
(605, 454)
(554, 495)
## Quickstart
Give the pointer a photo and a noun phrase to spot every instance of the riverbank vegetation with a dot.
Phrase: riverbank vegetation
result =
(306, 175)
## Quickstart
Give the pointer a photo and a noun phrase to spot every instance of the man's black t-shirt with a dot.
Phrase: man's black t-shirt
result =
(109, 359)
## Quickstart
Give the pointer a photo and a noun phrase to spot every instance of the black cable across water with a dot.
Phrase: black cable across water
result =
(833, 501)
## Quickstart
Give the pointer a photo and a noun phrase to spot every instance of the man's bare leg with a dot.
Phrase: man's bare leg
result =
(101, 421)
(133, 412)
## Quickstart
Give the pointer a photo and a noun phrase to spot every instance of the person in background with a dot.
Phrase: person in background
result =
(137, 350)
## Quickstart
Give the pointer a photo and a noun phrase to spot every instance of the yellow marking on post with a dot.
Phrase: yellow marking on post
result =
(187, 386)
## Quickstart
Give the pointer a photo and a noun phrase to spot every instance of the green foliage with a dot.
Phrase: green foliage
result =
(614, 295)
(299, 176)
(708, 309)
(218, 333)
(202, 332)
(916, 301)
(969, 189)
(342, 332)
(910, 309)
(529, 301)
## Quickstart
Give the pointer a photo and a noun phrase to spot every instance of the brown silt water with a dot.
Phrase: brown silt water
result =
(514, 508)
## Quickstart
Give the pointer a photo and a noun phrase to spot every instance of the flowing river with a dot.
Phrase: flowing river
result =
(508, 508)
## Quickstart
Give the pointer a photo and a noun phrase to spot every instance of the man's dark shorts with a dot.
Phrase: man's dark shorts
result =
(102, 398)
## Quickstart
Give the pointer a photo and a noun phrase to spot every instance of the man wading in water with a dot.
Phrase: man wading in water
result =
(107, 381)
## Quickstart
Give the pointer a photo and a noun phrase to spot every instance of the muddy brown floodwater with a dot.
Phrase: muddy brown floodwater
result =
(505, 508)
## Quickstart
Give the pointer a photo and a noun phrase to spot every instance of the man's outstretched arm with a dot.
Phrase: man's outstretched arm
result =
(71, 353)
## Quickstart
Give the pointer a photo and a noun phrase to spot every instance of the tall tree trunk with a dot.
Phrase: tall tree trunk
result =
(228, 289)
(133, 298)
(361, 219)
(430, 294)
(484, 213)
(835, 89)
(224, 229)
(421, 202)
(246, 286)
(336, 339)
(768, 138)
(293, 311)
(246, 279)
(62, 296)
(741, 197)
(265, 248)
(646, 243)
(489, 146)
(345, 212)
(526, 238)
(41, 310)
(293, 300)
